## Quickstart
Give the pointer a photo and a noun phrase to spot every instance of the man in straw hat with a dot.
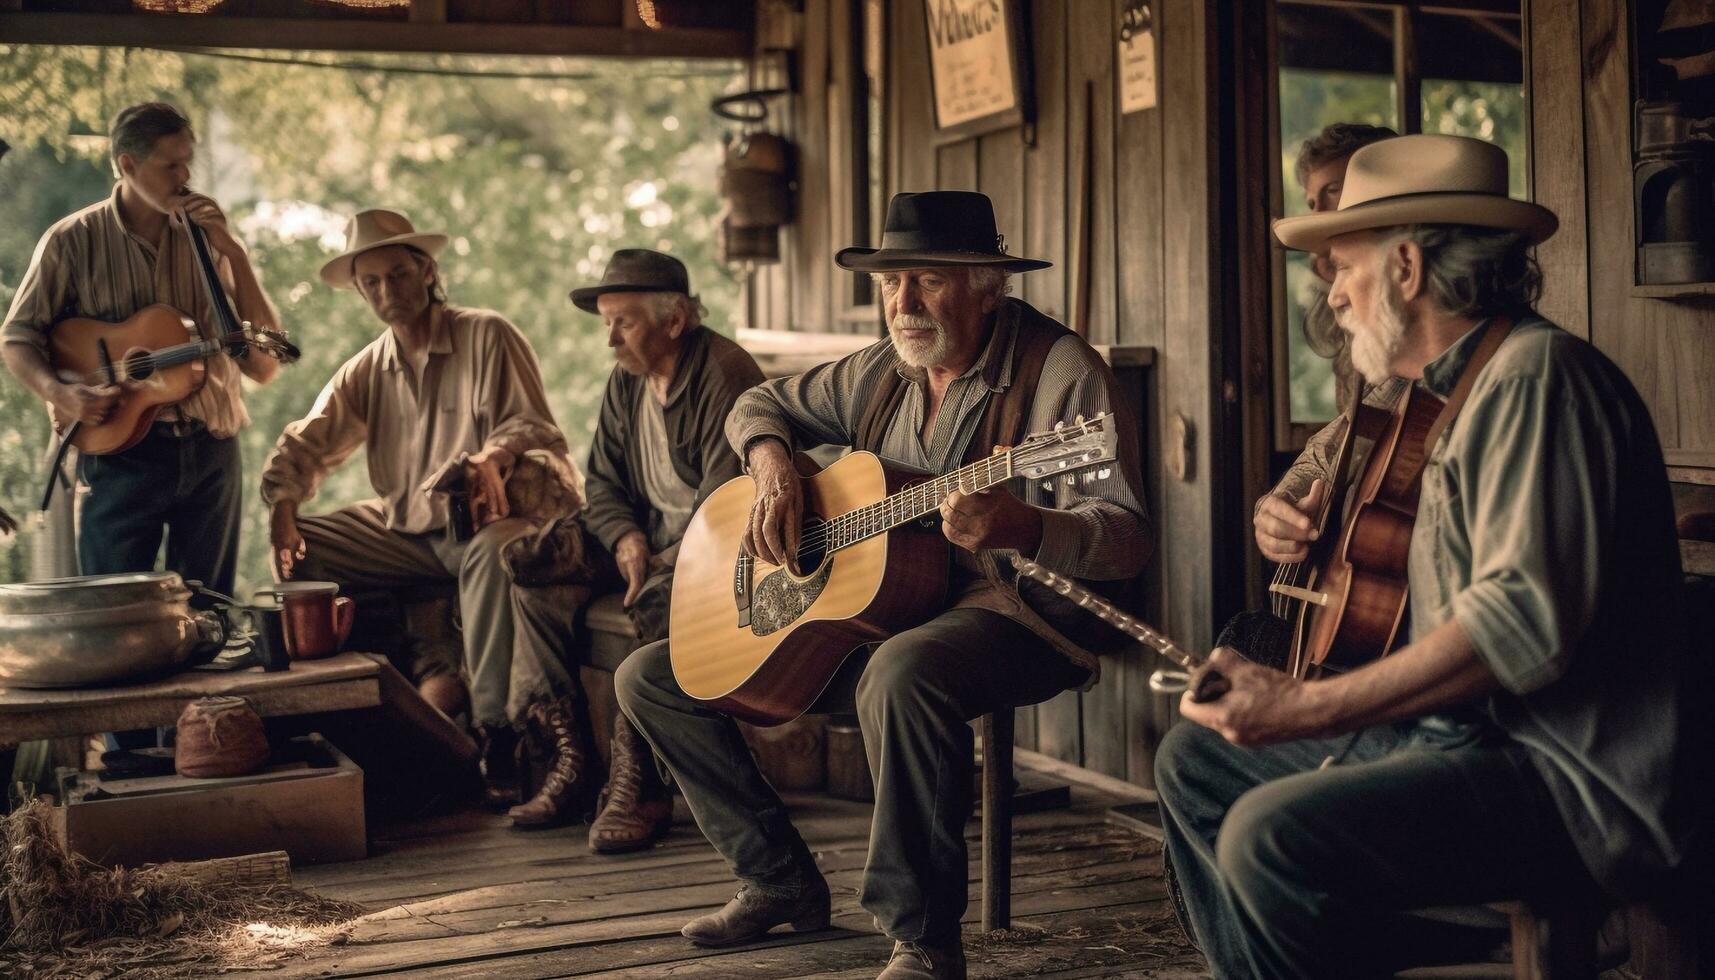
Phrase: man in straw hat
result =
(443, 388)
(930, 398)
(659, 449)
(1531, 740)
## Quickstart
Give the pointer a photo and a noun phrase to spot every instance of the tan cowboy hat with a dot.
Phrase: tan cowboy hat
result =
(1423, 179)
(373, 229)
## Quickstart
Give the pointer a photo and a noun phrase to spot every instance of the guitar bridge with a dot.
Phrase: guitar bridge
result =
(1302, 595)
(741, 572)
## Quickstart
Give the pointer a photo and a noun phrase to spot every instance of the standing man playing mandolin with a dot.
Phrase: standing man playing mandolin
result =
(960, 351)
(1535, 739)
(106, 262)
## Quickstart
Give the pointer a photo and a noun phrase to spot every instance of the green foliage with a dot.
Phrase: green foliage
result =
(537, 180)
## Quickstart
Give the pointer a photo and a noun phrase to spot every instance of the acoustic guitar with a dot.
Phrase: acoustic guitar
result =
(760, 641)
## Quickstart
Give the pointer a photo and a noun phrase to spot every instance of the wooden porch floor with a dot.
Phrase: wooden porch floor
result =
(465, 896)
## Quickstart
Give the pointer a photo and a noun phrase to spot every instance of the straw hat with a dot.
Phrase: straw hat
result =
(1421, 179)
(373, 229)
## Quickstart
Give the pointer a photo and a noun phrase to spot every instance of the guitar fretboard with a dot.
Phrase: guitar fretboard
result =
(917, 501)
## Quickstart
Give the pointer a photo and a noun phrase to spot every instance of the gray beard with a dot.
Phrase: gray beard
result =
(1374, 346)
(921, 354)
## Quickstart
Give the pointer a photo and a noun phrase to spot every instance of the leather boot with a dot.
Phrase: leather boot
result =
(921, 961)
(635, 809)
(498, 745)
(560, 729)
(752, 912)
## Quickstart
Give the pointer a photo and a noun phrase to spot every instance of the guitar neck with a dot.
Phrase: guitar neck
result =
(1106, 611)
(917, 501)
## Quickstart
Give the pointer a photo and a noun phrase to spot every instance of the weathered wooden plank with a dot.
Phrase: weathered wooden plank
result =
(142, 30)
(1044, 233)
(910, 136)
(1000, 175)
(1090, 59)
(812, 238)
(1634, 332)
(1137, 197)
(1060, 727)
(1553, 67)
(956, 166)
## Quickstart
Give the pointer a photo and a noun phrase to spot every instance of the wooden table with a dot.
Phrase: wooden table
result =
(349, 680)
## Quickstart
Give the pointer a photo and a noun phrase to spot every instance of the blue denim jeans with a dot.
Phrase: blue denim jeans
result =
(1288, 870)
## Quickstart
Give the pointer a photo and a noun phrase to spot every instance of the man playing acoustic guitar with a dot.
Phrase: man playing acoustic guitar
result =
(1534, 739)
(927, 399)
(107, 262)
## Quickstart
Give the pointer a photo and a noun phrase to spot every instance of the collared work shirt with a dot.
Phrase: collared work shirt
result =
(480, 387)
(90, 265)
(1094, 531)
(1546, 530)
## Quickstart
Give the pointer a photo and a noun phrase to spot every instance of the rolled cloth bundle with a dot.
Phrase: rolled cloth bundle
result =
(220, 737)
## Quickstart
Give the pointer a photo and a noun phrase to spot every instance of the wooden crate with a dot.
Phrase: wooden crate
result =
(313, 813)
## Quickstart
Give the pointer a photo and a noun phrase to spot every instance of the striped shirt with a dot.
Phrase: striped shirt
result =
(90, 265)
(1094, 531)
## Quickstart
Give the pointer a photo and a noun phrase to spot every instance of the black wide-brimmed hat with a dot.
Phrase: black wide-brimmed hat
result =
(936, 228)
(635, 270)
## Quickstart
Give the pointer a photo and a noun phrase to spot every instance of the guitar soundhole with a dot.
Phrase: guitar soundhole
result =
(779, 599)
(139, 365)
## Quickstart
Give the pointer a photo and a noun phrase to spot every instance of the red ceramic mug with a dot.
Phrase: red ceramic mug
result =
(317, 618)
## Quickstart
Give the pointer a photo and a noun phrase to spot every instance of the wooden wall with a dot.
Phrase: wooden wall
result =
(1580, 96)
(1126, 208)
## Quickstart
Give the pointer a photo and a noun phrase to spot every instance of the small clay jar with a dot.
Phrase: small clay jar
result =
(220, 737)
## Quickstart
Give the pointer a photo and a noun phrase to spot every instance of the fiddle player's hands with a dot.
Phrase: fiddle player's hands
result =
(777, 516)
(631, 554)
(208, 215)
(1261, 706)
(286, 543)
(486, 472)
(1284, 528)
(89, 404)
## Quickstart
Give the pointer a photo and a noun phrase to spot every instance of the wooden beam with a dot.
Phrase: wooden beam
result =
(331, 34)
(428, 11)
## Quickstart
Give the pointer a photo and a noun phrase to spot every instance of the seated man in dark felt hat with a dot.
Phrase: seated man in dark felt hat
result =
(659, 449)
(959, 349)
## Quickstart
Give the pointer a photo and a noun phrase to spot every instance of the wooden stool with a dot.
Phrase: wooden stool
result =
(997, 820)
(1557, 944)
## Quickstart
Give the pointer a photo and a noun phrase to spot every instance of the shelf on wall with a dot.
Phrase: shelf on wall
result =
(1676, 290)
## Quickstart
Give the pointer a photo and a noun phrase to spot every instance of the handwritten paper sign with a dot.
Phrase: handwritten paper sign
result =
(1137, 57)
(971, 60)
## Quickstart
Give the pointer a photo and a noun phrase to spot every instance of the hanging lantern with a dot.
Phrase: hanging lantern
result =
(756, 183)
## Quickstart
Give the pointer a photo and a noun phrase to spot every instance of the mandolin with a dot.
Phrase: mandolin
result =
(760, 641)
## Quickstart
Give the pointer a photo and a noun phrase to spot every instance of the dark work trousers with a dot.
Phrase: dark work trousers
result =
(185, 488)
(1290, 871)
(915, 699)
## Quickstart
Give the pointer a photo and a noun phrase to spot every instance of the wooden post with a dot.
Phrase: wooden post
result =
(428, 12)
(997, 820)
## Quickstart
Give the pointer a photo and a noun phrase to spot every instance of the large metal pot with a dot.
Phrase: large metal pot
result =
(101, 629)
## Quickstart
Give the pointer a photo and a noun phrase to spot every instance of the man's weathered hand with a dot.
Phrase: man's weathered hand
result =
(631, 554)
(209, 216)
(89, 404)
(286, 543)
(991, 519)
(1262, 706)
(487, 472)
(1284, 529)
(777, 517)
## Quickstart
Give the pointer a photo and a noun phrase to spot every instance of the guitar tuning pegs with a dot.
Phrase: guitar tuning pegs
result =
(1047, 486)
(1080, 420)
(1058, 426)
(1104, 473)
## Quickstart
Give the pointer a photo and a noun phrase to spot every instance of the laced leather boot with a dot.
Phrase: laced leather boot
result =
(498, 760)
(752, 912)
(558, 727)
(635, 809)
(922, 961)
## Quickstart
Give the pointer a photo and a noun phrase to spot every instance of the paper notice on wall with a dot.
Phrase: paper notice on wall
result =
(970, 51)
(1137, 57)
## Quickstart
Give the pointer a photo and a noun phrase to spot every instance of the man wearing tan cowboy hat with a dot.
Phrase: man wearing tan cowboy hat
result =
(659, 450)
(443, 387)
(929, 398)
(1534, 738)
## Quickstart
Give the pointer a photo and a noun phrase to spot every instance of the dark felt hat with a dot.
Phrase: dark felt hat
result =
(934, 228)
(635, 270)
